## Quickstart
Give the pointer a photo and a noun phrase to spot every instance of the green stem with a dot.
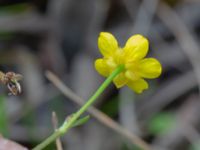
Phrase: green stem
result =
(69, 122)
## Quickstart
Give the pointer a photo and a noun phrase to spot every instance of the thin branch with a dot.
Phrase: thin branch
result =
(184, 36)
(28, 22)
(55, 125)
(191, 1)
(167, 93)
(101, 117)
(191, 134)
(143, 19)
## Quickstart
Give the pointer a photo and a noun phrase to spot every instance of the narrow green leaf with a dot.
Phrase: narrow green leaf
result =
(195, 146)
(81, 121)
(161, 123)
(4, 117)
(14, 9)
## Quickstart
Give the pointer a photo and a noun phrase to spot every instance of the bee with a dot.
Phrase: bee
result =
(10, 79)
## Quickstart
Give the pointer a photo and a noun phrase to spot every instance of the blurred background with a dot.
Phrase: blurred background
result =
(61, 36)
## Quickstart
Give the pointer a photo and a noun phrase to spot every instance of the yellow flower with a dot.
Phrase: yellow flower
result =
(132, 57)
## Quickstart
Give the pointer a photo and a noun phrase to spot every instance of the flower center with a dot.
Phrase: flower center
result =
(119, 57)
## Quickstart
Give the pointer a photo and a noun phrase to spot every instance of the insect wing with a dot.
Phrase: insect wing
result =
(18, 77)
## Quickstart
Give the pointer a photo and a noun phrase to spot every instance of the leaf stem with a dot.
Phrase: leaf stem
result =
(68, 123)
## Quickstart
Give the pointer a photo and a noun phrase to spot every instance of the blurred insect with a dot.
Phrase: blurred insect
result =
(10, 79)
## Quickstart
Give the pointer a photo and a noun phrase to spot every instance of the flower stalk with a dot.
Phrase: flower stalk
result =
(68, 123)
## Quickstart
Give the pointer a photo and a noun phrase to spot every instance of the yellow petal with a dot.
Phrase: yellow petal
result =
(150, 68)
(102, 67)
(120, 80)
(131, 76)
(136, 47)
(111, 63)
(138, 86)
(107, 44)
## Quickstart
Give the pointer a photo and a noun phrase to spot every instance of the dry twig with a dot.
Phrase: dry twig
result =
(183, 35)
(55, 125)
